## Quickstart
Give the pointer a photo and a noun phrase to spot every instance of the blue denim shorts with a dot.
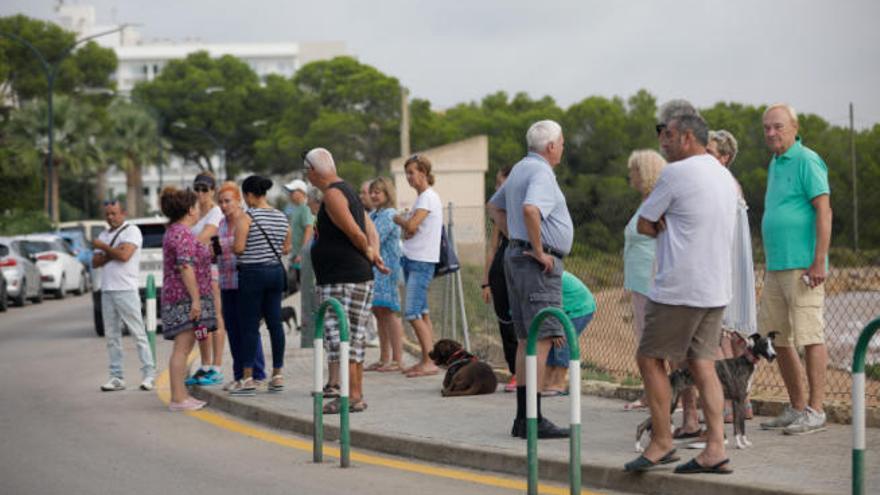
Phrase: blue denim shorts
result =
(560, 356)
(418, 276)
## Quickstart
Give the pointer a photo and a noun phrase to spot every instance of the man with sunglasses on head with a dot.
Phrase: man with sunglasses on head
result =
(118, 252)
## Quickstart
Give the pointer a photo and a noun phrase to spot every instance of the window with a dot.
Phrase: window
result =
(146, 191)
(152, 235)
(146, 69)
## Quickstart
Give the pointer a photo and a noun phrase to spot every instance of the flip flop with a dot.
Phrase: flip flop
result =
(681, 435)
(421, 372)
(642, 463)
(636, 405)
(377, 366)
(554, 393)
(391, 366)
(694, 467)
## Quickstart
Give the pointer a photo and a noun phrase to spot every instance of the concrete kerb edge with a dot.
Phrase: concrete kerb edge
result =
(486, 458)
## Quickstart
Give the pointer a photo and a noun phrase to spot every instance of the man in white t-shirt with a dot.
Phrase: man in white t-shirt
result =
(118, 252)
(692, 213)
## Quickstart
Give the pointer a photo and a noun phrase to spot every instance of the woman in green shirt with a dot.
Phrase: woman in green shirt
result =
(579, 305)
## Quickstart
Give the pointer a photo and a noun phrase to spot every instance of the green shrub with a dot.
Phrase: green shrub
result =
(15, 222)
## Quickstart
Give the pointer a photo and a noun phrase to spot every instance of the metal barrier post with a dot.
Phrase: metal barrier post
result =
(151, 314)
(858, 407)
(574, 388)
(318, 384)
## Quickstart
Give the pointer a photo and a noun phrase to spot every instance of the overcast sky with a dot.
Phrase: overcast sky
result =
(817, 55)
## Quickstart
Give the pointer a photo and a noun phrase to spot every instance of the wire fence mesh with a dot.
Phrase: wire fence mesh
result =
(608, 345)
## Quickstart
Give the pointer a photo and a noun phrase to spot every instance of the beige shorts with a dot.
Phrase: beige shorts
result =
(676, 333)
(793, 309)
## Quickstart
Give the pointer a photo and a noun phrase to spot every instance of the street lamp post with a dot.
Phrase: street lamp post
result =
(51, 72)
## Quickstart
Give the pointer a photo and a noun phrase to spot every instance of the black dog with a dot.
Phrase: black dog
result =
(288, 317)
(465, 373)
(735, 375)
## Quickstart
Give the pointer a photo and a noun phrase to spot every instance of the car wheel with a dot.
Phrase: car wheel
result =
(39, 297)
(4, 299)
(82, 285)
(60, 294)
(22, 295)
(96, 313)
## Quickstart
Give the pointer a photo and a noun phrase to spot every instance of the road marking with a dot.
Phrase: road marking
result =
(163, 390)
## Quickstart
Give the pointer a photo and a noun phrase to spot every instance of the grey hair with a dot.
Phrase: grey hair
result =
(674, 109)
(694, 123)
(792, 114)
(314, 195)
(726, 144)
(321, 161)
(541, 134)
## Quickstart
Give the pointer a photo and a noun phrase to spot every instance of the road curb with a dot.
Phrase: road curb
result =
(485, 458)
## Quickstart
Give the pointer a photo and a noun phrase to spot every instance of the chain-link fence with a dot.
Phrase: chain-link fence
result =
(608, 345)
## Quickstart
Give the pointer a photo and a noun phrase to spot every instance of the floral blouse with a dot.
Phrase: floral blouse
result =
(180, 247)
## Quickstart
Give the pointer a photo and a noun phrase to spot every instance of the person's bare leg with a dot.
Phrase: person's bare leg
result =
(422, 327)
(333, 373)
(218, 337)
(183, 344)
(382, 333)
(356, 381)
(703, 371)
(791, 370)
(554, 379)
(725, 351)
(658, 396)
(690, 418)
(817, 362)
(395, 337)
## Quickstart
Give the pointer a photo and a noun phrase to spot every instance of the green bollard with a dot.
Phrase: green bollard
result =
(858, 407)
(574, 388)
(318, 384)
(151, 314)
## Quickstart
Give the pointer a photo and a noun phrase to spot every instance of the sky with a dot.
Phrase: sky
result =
(817, 55)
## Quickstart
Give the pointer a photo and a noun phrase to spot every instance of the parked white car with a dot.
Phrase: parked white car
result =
(21, 274)
(152, 231)
(60, 271)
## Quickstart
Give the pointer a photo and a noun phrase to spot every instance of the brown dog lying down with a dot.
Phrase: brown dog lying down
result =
(465, 373)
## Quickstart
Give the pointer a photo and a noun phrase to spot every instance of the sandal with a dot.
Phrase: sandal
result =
(635, 405)
(333, 406)
(331, 391)
(276, 384)
(377, 366)
(390, 366)
(357, 406)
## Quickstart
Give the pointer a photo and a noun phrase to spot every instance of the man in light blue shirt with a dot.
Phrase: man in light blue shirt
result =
(531, 210)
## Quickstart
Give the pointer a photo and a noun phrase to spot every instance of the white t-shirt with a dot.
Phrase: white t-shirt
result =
(119, 275)
(425, 245)
(698, 197)
(212, 218)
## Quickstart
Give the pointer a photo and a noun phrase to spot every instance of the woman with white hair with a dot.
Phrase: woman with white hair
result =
(638, 249)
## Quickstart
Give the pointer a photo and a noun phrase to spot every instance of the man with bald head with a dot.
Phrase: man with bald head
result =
(117, 251)
(796, 231)
(345, 250)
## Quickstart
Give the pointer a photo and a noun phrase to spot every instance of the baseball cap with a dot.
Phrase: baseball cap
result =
(296, 185)
(206, 180)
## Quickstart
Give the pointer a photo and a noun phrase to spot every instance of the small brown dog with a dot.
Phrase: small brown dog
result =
(465, 373)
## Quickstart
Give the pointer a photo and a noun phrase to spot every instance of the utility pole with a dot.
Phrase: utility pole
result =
(404, 122)
(855, 180)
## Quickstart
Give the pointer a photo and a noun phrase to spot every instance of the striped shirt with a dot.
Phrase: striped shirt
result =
(258, 251)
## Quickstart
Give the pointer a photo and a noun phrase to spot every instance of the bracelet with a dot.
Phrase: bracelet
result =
(483, 286)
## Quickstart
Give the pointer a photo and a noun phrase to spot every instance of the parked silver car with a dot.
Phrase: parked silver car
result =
(22, 275)
(61, 271)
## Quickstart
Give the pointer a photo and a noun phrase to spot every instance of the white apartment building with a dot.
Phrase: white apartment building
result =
(141, 60)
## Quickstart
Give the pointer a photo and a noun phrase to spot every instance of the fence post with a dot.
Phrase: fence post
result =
(318, 384)
(574, 388)
(151, 314)
(858, 406)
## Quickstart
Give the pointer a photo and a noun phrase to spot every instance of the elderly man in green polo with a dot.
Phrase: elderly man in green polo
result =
(796, 231)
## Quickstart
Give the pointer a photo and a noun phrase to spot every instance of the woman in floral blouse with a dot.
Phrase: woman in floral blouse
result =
(187, 299)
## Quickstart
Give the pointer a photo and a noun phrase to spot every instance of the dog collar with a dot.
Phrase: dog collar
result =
(751, 356)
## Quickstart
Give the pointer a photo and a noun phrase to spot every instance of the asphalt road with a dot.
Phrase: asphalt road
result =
(60, 435)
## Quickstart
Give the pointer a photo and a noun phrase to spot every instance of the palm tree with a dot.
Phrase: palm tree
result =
(75, 127)
(131, 141)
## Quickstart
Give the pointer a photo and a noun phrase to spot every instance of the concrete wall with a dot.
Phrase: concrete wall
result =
(459, 169)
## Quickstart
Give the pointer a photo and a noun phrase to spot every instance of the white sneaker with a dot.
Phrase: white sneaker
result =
(788, 416)
(810, 422)
(113, 384)
(148, 384)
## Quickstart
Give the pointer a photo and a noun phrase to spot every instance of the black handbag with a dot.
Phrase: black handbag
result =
(448, 259)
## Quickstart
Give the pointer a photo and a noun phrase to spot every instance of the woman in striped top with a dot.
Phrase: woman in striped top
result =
(262, 237)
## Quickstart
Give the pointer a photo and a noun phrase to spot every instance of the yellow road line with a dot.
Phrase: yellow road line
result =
(164, 392)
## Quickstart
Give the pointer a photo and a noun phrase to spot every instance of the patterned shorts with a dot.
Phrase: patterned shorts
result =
(356, 299)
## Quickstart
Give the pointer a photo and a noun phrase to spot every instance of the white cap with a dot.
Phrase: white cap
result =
(296, 185)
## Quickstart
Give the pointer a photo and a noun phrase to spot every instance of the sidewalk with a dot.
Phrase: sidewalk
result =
(409, 418)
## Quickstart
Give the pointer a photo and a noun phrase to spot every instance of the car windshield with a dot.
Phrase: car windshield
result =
(4, 250)
(34, 247)
(152, 235)
(96, 231)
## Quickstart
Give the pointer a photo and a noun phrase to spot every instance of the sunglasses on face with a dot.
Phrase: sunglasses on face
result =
(110, 202)
(201, 189)
(660, 128)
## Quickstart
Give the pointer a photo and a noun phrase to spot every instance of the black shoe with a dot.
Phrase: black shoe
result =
(546, 429)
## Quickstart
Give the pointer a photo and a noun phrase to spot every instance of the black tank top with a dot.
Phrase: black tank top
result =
(335, 259)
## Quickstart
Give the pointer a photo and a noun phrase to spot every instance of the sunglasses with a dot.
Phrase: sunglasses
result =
(111, 202)
(660, 128)
(201, 189)
(413, 158)
(306, 163)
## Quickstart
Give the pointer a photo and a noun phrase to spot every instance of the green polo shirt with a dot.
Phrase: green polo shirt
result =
(577, 300)
(300, 217)
(794, 179)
